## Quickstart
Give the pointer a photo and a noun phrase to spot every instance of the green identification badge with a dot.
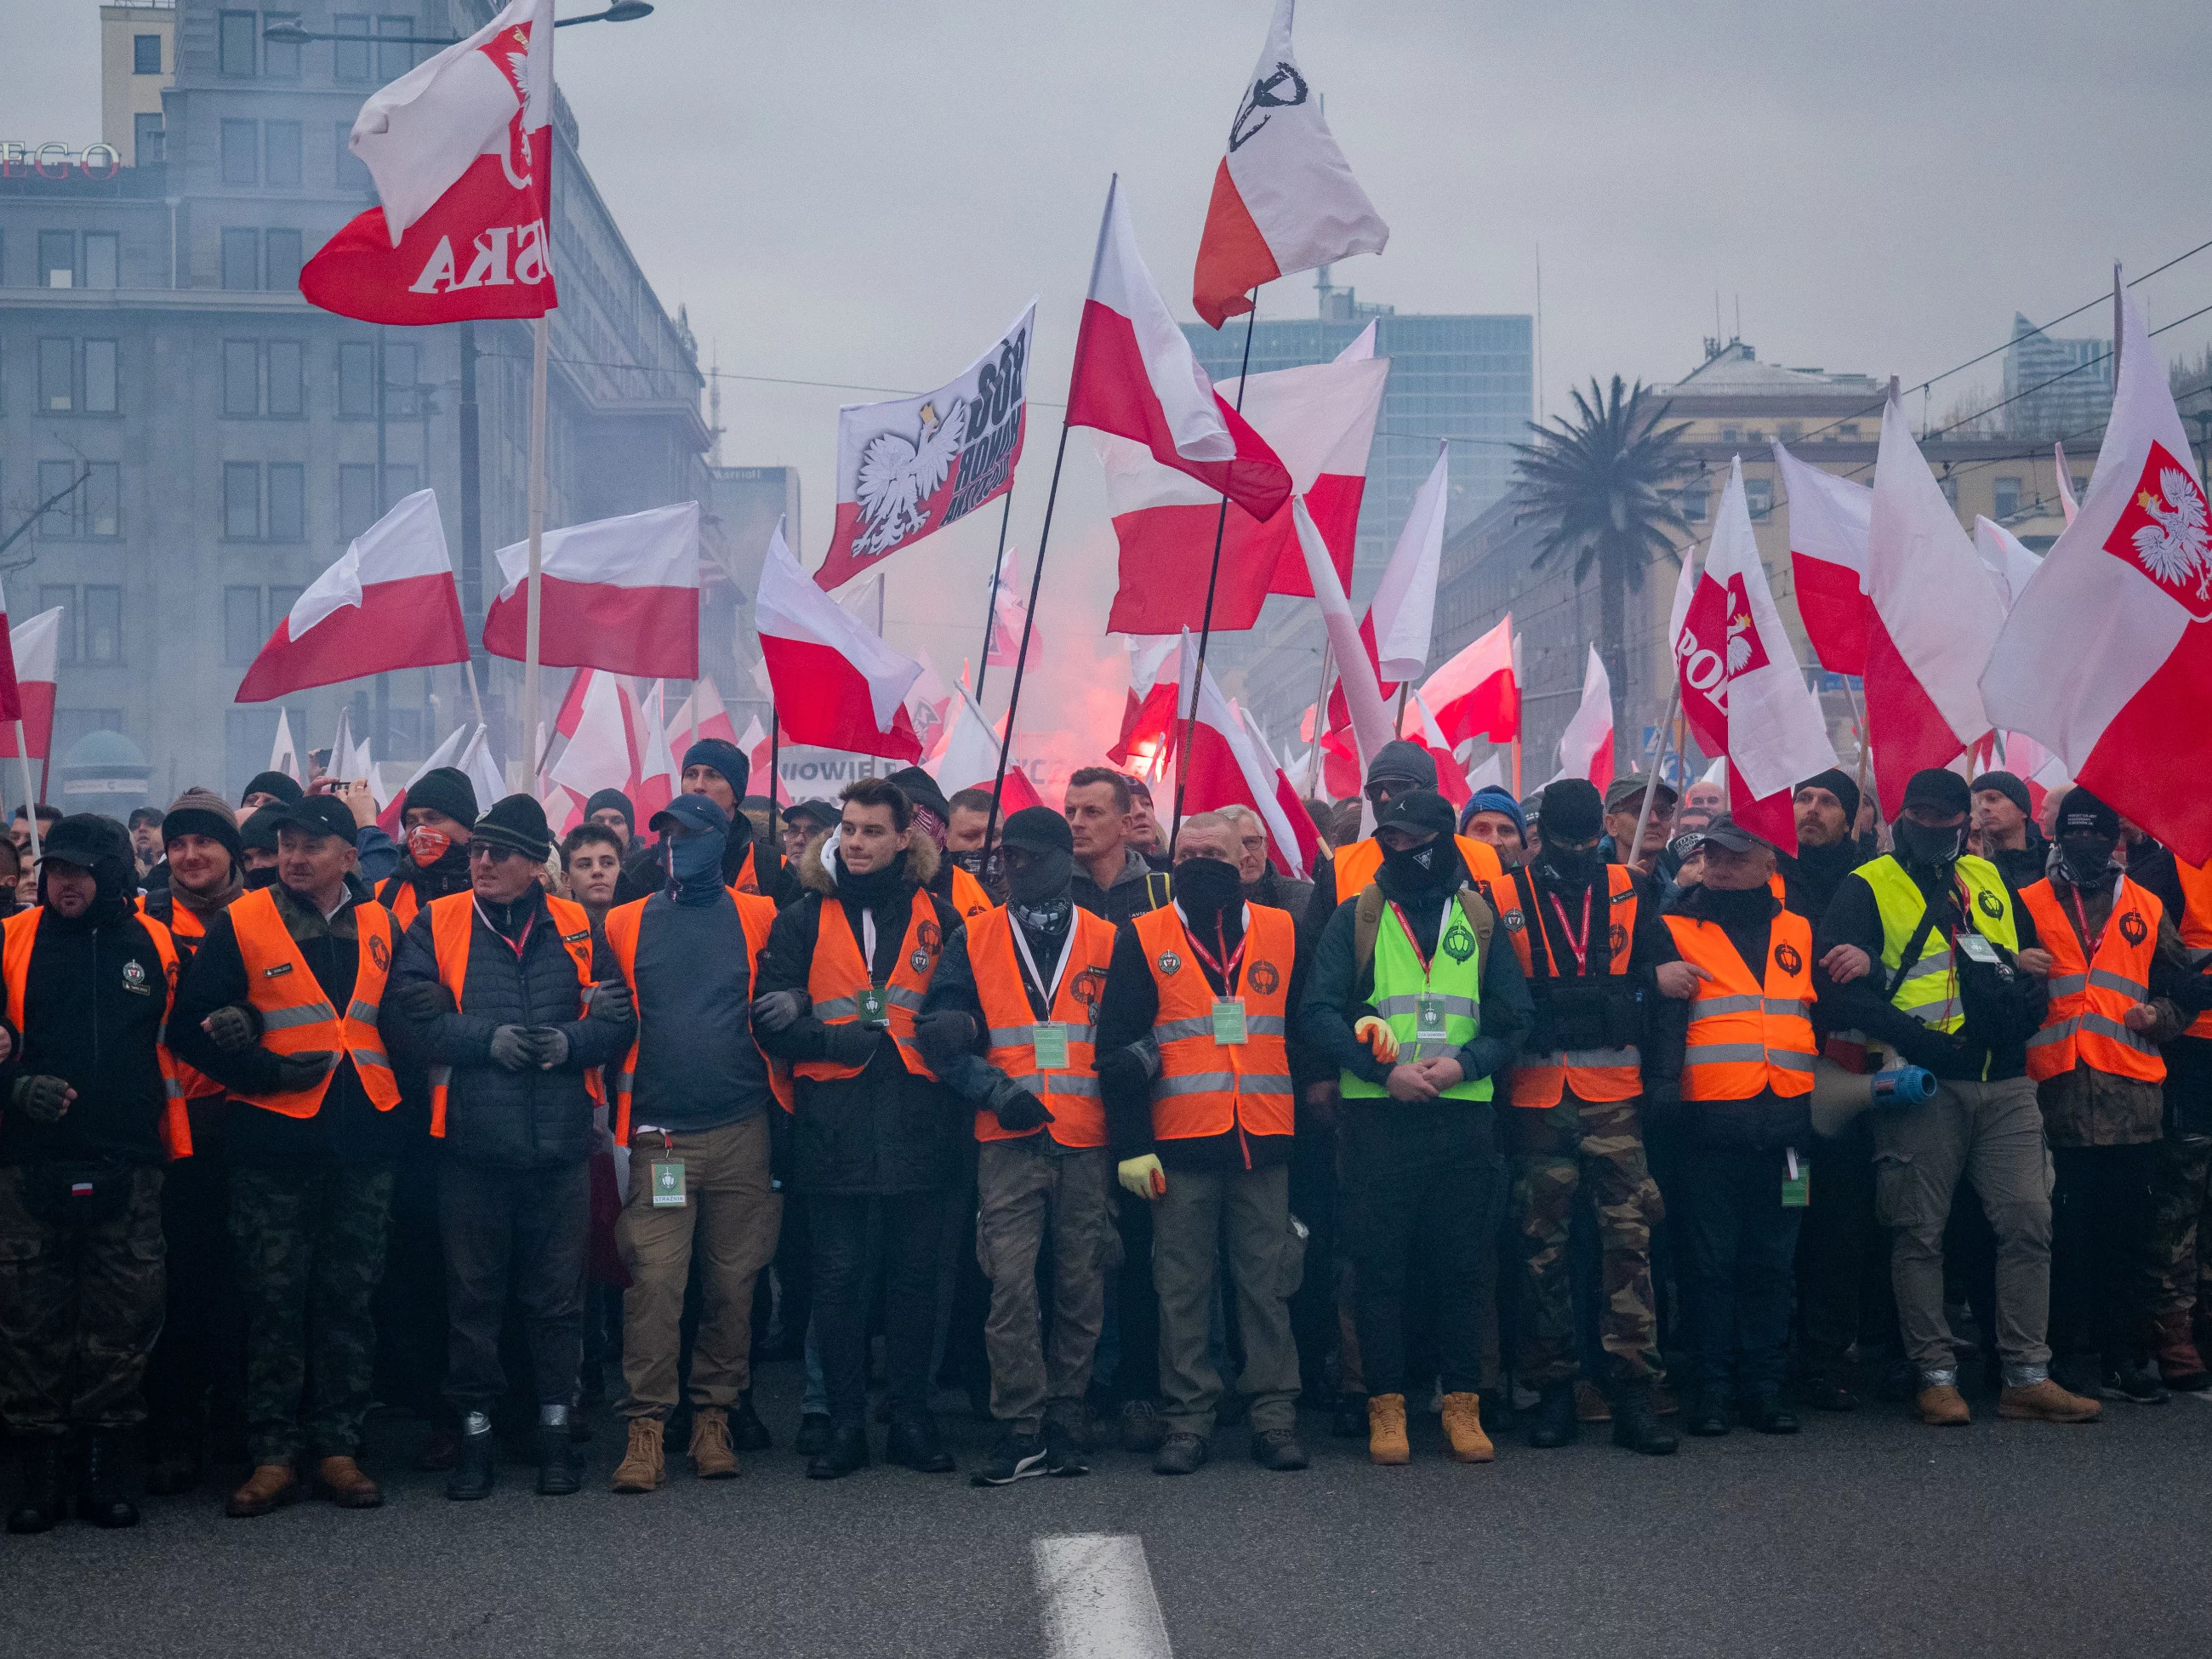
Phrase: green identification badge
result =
(874, 1007)
(1048, 1037)
(668, 1183)
(1429, 1016)
(1796, 1182)
(1229, 1019)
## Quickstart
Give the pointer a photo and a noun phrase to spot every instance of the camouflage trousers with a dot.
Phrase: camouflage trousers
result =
(310, 1252)
(79, 1309)
(2181, 1228)
(1554, 1151)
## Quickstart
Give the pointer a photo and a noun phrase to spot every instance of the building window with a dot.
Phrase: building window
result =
(1693, 501)
(287, 388)
(102, 258)
(241, 165)
(242, 501)
(350, 58)
(242, 378)
(56, 390)
(356, 501)
(1850, 432)
(356, 378)
(146, 138)
(145, 54)
(279, 59)
(2005, 497)
(1730, 434)
(1759, 496)
(288, 502)
(281, 140)
(91, 509)
(394, 58)
(100, 389)
(241, 258)
(242, 633)
(348, 171)
(103, 624)
(57, 259)
(1791, 431)
(50, 596)
(283, 260)
(239, 34)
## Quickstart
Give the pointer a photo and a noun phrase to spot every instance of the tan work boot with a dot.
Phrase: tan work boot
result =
(640, 1467)
(713, 1457)
(269, 1488)
(340, 1479)
(1463, 1428)
(1386, 1430)
(1943, 1407)
(2047, 1402)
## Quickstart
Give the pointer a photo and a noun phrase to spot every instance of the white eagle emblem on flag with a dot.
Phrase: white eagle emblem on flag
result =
(2173, 547)
(897, 478)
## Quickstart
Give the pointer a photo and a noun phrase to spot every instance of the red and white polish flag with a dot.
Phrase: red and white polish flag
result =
(835, 684)
(1934, 618)
(1829, 518)
(1419, 725)
(1370, 718)
(621, 594)
(388, 603)
(1225, 768)
(1134, 376)
(704, 706)
(1284, 197)
(1586, 745)
(761, 753)
(2010, 561)
(602, 751)
(1293, 843)
(970, 758)
(1148, 716)
(34, 658)
(2106, 658)
(461, 148)
(1478, 694)
(658, 771)
(1009, 613)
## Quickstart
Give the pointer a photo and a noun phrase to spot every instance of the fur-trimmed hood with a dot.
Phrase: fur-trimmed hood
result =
(922, 859)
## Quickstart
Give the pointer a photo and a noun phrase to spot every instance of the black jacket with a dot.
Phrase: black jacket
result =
(1766, 1119)
(643, 874)
(92, 1009)
(1135, 889)
(347, 1130)
(514, 1120)
(886, 1130)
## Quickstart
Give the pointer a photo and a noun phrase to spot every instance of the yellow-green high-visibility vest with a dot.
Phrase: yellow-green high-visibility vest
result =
(1930, 990)
(1449, 989)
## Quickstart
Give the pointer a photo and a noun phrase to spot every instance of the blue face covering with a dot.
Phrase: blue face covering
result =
(694, 866)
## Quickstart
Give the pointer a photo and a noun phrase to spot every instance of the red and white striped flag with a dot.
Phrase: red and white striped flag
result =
(620, 594)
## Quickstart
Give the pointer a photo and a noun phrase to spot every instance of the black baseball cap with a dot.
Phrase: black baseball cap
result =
(315, 814)
(1723, 832)
(1417, 808)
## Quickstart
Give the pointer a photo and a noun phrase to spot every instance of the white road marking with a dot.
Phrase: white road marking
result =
(1098, 1599)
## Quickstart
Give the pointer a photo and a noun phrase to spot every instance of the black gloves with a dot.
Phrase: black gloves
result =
(42, 1099)
(1017, 1110)
(1124, 1070)
(418, 999)
(548, 1044)
(232, 1028)
(512, 1048)
(775, 1010)
(943, 1036)
(2192, 994)
(851, 1043)
(303, 1071)
(612, 1002)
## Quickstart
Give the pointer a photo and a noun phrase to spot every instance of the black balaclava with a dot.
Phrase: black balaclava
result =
(1207, 887)
(2088, 835)
(1572, 813)
(693, 860)
(1933, 852)
(1736, 907)
(1426, 871)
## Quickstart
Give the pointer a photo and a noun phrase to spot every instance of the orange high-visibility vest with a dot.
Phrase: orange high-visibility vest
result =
(1595, 1074)
(187, 931)
(403, 903)
(969, 896)
(452, 922)
(837, 976)
(624, 922)
(1356, 866)
(19, 936)
(2194, 923)
(1079, 1116)
(1745, 1036)
(296, 1018)
(2090, 997)
(1206, 1088)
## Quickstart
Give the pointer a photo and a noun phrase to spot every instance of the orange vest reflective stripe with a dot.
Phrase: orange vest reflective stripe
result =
(1079, 1116)
(837, 976)
(2194, 923)
(296, 1018)
(2090, 997)
(186, 931)
(452, 921)
(1747, 1037)
(757, 915)
(969, 896)
(18, 936)
(1594, 1075)
(1206, 1088)
(1356, 866)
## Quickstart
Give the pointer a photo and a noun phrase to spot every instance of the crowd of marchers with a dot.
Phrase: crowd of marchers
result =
(1584, 1108)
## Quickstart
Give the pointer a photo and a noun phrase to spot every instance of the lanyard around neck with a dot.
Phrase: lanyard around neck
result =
(1050, 993)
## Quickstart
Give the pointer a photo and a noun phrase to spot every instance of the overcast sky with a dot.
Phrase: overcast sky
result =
(855, 191)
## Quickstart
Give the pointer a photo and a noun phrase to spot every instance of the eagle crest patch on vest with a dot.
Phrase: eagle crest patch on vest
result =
(1169, 962)
(377, 952)
(1265, 978)
(2132, 928)
(919, 960)
(1514, 920)
(134, 977)
(1991, 904)
(1786, 958)
(1459, 941)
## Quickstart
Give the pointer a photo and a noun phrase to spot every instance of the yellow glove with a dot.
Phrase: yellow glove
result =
(1381, 1042)
(1143, 1176)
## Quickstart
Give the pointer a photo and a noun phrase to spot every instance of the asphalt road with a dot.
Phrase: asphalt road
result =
(1865, 1534)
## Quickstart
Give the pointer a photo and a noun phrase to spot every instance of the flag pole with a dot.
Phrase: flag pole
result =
(1517, 766)
(775, 771)
(468, 667)
(1859, 730)
(991, 602)
(1213, 581)
(1022, 653)
(539, 332)
(30, 800)
(1320, 718)
(1651, 787)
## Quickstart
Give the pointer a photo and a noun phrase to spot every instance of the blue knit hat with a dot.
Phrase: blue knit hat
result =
(1495, 800)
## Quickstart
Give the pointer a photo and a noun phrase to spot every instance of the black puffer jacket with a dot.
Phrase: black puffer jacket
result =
(514, 1120)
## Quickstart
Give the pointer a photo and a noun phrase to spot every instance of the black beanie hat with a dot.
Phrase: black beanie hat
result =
(517, 822)
(1843, 786)
(1938, 790)
(2010, 785)
(1403, 762)
(725, 757)
(2082, 811)
(444, 789)
(1572, 812)
(259, 832)
(603, 799)
(921, 789)
(1039, 828)
(273, 783)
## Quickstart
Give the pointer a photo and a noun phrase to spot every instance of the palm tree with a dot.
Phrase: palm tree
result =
(1597, 479)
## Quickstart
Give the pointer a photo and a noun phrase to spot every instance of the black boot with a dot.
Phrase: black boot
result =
(557, 1476)
(1555, 1424)
(848, 1450)
(1635, 1424)
(1348, 1420)
(814, 1432)
(99, 1497)
(478, 1467)
(747, 1432)
(913, 1441)
(45, 1483)
(173, 1464)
